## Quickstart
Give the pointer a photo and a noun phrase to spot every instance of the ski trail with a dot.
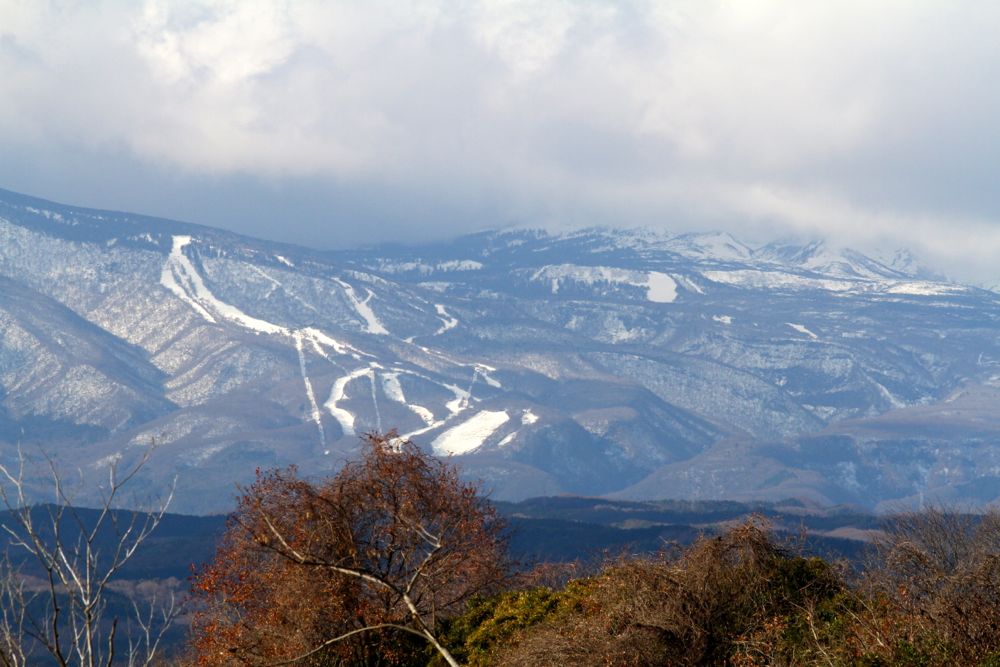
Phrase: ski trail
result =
(318, 349)
(470, 434)
(394, 392)
(316, 417)
(472, 383)
(378, 415)
(447, 321)
(337, 391)
(174, 270)
(483, 369)
(180, 276)
(484, 372)
(182, 279)
(275, 285)
(373, 325)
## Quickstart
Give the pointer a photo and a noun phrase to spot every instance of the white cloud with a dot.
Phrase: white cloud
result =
(862, 121)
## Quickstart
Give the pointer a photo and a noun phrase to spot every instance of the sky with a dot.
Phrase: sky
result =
(332, 124)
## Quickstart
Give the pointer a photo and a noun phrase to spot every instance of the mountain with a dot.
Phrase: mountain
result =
(625, 362)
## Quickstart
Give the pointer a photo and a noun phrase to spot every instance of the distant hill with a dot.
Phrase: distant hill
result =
(555, 529)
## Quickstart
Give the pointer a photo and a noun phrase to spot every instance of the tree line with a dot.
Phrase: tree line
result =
(395, 560)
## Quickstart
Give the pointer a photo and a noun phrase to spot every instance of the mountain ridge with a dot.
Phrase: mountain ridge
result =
(596, 361)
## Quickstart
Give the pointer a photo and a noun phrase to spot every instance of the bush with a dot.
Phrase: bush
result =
(727, 599)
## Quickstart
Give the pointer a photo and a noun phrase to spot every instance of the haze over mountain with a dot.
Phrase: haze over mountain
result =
(625, 362)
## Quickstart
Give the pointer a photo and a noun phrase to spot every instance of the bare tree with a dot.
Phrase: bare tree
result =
(64, 612)
(14, 601)
(390, 544)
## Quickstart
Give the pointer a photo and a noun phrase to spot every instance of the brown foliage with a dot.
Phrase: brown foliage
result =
(699, 609)
(385, 548)
(938, 572)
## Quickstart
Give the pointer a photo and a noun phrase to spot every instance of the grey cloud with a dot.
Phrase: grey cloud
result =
(868, 123)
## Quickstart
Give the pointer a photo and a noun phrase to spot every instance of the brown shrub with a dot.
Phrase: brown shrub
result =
(939, 572)
(707, 607)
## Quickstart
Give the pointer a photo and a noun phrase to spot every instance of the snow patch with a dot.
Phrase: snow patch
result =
(723, 319)
(460, 265)
(528, 417)
(923, 288)
(206, 453)
(107, 461)
(391, 387)
(802, 330)
(461, 400)
(484, 372)
(660, 288)
(471, 434)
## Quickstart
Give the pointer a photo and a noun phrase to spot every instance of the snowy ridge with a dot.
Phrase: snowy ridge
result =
(659, 287)
(428, 269)
(758, 279)
(714, 247)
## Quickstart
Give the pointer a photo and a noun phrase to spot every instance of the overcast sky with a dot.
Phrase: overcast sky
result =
(336, 123)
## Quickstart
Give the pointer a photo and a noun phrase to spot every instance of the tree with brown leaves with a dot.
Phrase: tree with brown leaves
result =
(342, 571)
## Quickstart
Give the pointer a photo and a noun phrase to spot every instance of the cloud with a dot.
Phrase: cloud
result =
(864, 122)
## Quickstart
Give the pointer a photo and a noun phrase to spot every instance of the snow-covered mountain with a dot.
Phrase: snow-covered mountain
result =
(631, 362)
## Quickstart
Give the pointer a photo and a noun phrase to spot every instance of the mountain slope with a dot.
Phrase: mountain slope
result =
(599, 361)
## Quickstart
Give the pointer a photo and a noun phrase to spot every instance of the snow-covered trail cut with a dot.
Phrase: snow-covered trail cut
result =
(181, 277)
(372, 323)
(344, 417)
(392, 388)
(447, 321)
(802, 330)
(314, 408)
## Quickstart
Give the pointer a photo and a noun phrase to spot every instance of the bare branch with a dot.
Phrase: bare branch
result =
(66, 545)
